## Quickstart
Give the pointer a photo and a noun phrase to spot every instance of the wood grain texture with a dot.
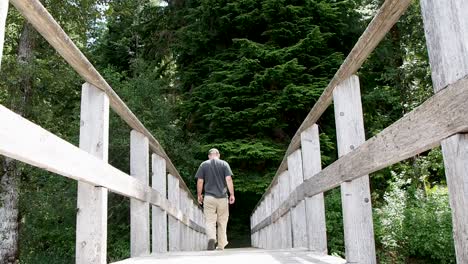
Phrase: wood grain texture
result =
(139, 210)
(315, 205)
(191, 235)
(271, 232)
(386, 17)
(3, 16)
(446, 28)
(159, 217)
(183, 229)
(276, 224)
(252, 235)
(286, 232)
(91, 217)
(298, 213)
(198, 217)
(258, 233)
(191, 214)
(25, 141)
(182, 207)
(455, 150)
(236, 256)
(46, 25)
(261, 231)
(418, 131)
(188, 235)
(203, 243)
(173, 192)
(254, 222)
(264, 231)
(355, 194)
(204, 238)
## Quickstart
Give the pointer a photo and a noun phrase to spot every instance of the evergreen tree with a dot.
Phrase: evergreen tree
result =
(247, 74)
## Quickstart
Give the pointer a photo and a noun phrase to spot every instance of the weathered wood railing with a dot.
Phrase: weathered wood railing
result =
(23, 140)
(293, 205)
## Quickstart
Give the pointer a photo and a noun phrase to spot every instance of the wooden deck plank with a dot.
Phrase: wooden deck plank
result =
(242, 255)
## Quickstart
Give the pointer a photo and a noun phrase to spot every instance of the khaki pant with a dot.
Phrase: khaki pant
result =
(216, 212)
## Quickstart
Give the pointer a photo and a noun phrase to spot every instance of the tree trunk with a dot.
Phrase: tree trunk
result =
(9, 211)
(9, 170)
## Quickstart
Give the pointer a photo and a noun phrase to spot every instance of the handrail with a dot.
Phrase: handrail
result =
(48, 27)
(389, 13)
(418, 131)
(23, 140)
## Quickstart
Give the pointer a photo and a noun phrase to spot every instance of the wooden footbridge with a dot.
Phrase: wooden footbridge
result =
(288, 223)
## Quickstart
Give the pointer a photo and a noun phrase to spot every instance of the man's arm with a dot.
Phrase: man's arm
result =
(230, 186)
(200, 183)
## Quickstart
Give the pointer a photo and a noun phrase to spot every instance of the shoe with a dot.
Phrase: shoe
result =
(211, 244)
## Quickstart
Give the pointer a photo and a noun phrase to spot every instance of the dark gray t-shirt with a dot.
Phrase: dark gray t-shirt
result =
(214, 173)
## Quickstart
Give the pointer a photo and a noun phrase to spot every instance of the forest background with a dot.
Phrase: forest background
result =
(238, 75)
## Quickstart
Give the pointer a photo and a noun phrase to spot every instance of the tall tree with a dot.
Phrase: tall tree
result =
(20, 84)
(247, 74)
(10, 175)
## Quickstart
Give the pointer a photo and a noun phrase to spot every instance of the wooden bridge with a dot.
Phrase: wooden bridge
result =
(288, 223)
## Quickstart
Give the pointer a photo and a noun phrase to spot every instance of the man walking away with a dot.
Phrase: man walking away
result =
(214, 177)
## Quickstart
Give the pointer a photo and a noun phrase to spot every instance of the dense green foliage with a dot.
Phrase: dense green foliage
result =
(241, 76)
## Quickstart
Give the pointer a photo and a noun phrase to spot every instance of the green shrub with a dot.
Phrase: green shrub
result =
(334, 217)
(415, 224)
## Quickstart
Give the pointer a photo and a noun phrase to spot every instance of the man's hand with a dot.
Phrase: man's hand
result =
(232, 199)
(230, 186)
(200, 183)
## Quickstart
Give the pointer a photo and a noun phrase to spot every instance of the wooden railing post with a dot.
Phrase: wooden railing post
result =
(315, 205)
(268, 228)
(197, 234)
(188, 205)
(3, 16)
(203, 239)
(298, 213)
(355, 195)
(181, 225)
(252, 224)
(159, 216)
(139, 211)
(192, 241)
(263, 233)
(191, 213)
(254, 235)
(184, 228)
(285, 221)
(199, 238)
(446, 27)
(189, 230)
(273, 233)
(174, 227)
(257, 220)
(277, 225)
(91, 218)
(260, 232)
(265, 229)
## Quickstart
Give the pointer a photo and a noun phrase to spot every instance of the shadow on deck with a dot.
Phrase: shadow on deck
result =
(237, 256)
